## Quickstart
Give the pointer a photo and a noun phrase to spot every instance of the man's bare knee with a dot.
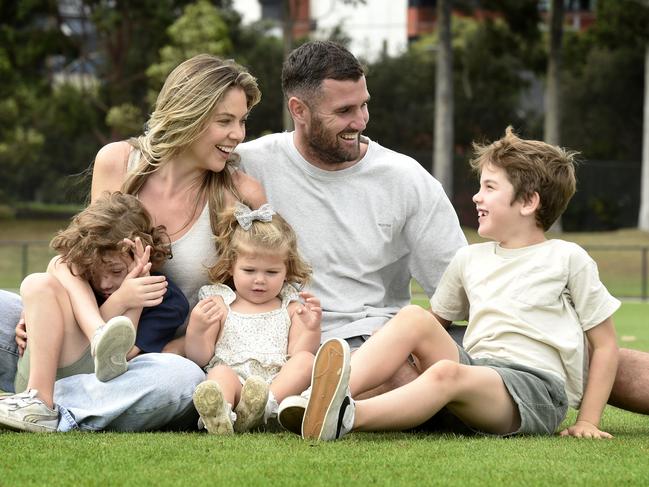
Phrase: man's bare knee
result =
(406, 373)
(631, 387)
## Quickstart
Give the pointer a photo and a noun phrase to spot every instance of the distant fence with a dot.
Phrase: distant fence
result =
(624, 269)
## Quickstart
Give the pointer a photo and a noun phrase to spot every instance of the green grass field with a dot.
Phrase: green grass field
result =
(359, 459)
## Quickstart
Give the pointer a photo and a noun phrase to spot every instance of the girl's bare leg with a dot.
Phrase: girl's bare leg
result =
(55, 339)
(412, 331)
(476, 395)
(294, 377)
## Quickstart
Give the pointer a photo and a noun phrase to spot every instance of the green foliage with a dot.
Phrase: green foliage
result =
(599, 66)
(487, 94)
(125, 119)
(262, 53)
(200, 29)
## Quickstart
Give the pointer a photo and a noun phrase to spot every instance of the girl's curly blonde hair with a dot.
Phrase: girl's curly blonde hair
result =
(102, 227)
(275, 236)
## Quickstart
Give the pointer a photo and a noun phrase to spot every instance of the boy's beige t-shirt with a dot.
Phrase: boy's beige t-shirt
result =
(530, 306)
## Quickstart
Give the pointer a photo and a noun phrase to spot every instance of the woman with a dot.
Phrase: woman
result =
(183, 171)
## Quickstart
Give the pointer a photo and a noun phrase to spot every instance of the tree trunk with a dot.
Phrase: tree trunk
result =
(552, 128)
(287, 35)
(643, 219)
(443, 150)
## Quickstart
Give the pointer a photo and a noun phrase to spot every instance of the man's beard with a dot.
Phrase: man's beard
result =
(326, 146)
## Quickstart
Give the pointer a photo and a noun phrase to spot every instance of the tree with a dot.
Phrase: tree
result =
(551, 127)
(552, 130)
(643, 216)
(443, 147)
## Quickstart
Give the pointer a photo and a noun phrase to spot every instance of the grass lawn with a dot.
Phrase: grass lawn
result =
(359, 459)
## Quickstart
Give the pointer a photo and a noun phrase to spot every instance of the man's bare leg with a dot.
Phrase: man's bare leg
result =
(631, 386)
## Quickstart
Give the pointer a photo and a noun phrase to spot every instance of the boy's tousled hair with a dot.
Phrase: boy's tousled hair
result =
(102, 227)
(182, 112)
(532, 166)
(309, 65)
(275, 236)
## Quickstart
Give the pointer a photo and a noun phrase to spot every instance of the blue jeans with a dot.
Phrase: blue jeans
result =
(155, 392)
(10, 308)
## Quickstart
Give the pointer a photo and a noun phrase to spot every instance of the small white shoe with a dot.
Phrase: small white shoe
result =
(291, 413)
(252, 404)
(110, 345)
(26, 412)
(216, 414)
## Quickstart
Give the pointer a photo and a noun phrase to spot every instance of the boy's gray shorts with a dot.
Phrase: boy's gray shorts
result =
(540, 396)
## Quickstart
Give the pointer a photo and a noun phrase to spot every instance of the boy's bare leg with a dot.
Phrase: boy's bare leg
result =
(412, 331)
(474, 394)
(55, 339)
(294, 377)
(631, 386)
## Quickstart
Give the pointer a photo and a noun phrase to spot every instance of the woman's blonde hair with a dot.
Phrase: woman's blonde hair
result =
(275, 236)
(102, 227)
(182, 112)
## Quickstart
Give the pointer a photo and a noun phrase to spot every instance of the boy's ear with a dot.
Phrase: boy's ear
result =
(531, 204)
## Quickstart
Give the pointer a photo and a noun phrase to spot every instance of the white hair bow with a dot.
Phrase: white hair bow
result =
(245, 216)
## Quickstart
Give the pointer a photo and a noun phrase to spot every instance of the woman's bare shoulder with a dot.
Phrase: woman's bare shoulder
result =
(109, 169)
(114, 154)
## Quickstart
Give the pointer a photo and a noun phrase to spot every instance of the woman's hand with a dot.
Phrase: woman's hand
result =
(21, 334)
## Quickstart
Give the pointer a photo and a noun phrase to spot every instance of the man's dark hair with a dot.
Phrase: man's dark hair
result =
(310, 64)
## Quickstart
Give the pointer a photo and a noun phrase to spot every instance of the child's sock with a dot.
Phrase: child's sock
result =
(271, 407)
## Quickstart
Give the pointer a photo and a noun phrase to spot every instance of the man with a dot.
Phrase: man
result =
(367, 218)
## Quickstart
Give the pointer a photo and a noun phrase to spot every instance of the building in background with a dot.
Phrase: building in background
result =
(373, 27)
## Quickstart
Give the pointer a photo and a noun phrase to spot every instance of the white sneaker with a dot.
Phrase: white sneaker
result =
(26, 412)
(330, 411)
(291, 413)
(216, 414)
(109, 347)
(252, 404)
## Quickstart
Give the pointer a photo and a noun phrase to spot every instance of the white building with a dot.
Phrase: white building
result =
(374, 27)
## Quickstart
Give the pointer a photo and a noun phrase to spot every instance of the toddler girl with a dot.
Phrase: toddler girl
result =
(249, 330)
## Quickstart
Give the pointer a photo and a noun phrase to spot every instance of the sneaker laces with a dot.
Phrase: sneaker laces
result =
(21, 399)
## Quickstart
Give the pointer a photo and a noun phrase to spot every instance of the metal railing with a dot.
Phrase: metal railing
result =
(19, 265)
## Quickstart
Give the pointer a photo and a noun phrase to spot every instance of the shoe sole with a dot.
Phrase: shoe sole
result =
(112, 347)
(252, 404)
(17, 425)
(328, 389)
(212, 408)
